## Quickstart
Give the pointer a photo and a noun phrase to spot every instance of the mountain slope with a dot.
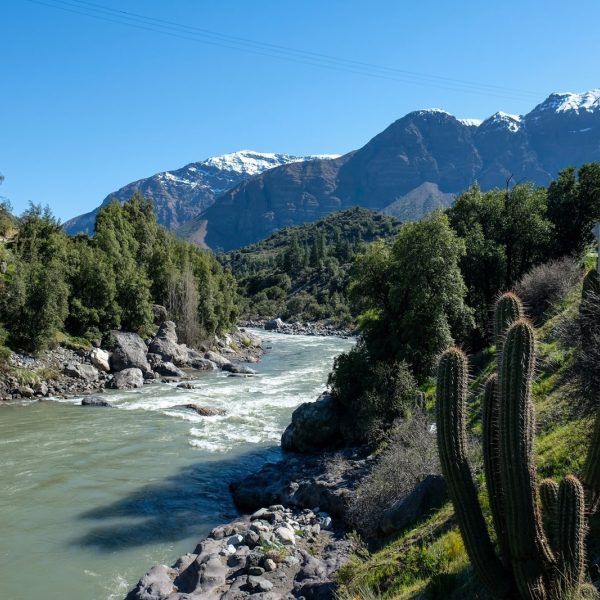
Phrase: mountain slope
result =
(182, 194)
(426, 146)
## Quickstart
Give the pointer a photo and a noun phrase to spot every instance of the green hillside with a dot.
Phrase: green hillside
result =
(301, 273)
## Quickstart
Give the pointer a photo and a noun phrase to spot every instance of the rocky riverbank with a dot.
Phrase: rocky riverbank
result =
(297, 328)
(125, 362)
(291, 545)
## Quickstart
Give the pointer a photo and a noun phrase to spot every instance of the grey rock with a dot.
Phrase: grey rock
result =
(165, 344)
(100, 359)
(239, 369)
(129, 352)
(202, 364)
(270, 565)
(314, 427)
(25, 391)
(259, 584)
(81, 371)
(256, 571)
(159, 314)
(95, 401)
(168, 369)
(186, 385)
(217, 359)
(128, 379)
(274, 324)
(203, 411)
(427, 496)
(41, 388)
(285, 536)
(156, 584)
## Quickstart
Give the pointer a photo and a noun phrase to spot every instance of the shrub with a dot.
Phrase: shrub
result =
(370, 394)
(410, 455)
(547, 284)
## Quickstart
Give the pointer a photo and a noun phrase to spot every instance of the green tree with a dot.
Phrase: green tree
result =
(574, 207)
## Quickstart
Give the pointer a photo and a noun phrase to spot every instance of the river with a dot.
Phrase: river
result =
(92, 497)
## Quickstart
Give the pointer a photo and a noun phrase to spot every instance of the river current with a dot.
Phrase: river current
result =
(90, 498)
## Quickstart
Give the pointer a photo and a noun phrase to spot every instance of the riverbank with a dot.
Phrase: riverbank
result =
(94, 497)
(125, 362)
(298, 328)
(289, 542)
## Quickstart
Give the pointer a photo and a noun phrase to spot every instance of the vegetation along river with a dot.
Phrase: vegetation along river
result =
(92, 497)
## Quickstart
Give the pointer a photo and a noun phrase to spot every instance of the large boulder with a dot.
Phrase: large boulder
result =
(166, 346)
(238, 369)
(203, 411)
(274, 324)
(202, 364)
(314, 427)
(95, 401)
(129, 352)
(427, 496)
(168, 369)
(100, 359)
(217, 359)
(128, 379)
(159, 313)
(81, 371)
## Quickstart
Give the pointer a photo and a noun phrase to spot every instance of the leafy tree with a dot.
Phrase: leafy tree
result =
(505, 234)
(574, 207)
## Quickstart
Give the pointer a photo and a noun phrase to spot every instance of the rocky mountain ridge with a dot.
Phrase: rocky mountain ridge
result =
(182, 194)
(424, 147)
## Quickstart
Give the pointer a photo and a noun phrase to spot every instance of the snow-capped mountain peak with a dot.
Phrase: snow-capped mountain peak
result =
(570, 102)
(251, 162)
(502, 120)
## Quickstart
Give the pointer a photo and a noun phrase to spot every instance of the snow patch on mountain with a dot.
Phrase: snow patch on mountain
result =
(570, 102)
(471, 122)
(250, 162)
(502, 120)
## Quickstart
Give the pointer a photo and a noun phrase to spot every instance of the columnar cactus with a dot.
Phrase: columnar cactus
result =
(491, 461)
(451, 406)
(570, 537)
(591, 471)
(507, 310)
(530, 567)
(530, 553)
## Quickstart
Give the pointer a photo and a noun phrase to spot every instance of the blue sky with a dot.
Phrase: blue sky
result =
(88, 105)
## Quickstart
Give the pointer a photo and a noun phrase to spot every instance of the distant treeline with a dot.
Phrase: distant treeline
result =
(52, 285)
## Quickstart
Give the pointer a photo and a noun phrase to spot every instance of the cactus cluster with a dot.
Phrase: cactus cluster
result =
(541, 555)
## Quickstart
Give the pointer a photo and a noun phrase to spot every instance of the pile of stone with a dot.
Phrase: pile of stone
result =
(275, 553)
(128, 363)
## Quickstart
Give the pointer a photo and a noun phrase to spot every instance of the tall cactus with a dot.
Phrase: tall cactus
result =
(491, 461)
(591, 470)
(570, 537)
(507, 310)
(451, 407)
(530, 568)
(531, 556)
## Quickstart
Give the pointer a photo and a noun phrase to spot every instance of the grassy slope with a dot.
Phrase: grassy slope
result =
(429, 561)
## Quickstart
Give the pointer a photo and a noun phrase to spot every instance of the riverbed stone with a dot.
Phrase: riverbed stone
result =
(166, 345)
(81, 371)
(314, 427)
(128, 379)
(217, 359)
(168, 369)
(100, 359)
(203, 411)
(129, 352)
(239, 369)
(95, 401)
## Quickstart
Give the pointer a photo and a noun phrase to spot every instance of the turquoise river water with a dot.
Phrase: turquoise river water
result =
(90, 498)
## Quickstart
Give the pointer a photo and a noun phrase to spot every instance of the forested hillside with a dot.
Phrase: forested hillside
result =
(52, 286)
(301, 273)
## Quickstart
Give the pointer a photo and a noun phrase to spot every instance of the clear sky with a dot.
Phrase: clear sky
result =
(90, 103)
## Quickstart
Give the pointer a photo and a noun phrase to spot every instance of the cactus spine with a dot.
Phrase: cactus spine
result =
(452, 442)
(507, 310)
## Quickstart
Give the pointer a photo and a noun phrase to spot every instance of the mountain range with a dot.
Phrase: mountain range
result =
(417, 164)
(181, 195)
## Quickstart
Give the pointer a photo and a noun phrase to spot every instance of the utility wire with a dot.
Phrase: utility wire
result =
(191, 33)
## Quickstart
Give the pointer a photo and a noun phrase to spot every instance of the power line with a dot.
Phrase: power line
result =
(196, 34)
